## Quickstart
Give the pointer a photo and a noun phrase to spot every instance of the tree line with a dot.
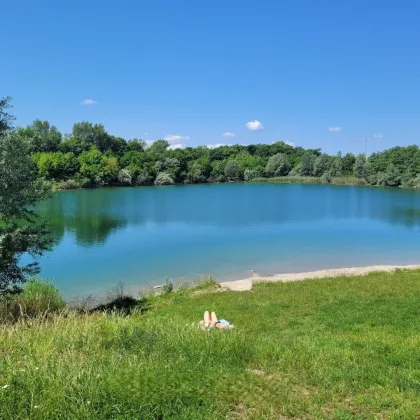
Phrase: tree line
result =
(91, 157)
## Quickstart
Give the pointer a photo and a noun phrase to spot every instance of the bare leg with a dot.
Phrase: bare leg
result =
(207, 320)
(214, 319)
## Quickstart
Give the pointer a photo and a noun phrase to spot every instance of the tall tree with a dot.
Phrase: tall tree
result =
(42, 136)
(21, 230)
(5, 118)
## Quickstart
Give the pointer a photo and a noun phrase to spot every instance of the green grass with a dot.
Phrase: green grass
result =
(311, 180)
(328, 348)
(38, 299)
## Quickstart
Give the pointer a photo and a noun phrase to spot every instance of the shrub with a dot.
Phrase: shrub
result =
(38, 298)
(232, 170)
(70, 184)
(278, 165)
(124, 177)
(326, 178)
(144, 178)
(168, 286)
(250, 174)
(163, 178)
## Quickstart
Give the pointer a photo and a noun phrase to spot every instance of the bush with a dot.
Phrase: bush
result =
(326, 178)
(124, 177)
(278, 165)
(37, 299)
(70, 184)
(144, 178)
(168, 286)
(232, 170)
(164, 178)
(250, 174)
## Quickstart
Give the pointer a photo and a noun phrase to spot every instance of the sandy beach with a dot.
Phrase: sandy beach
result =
(246, 284)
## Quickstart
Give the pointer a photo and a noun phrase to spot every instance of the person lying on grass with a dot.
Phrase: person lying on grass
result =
(211, 321)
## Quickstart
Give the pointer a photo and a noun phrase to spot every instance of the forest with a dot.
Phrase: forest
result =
(90, 157)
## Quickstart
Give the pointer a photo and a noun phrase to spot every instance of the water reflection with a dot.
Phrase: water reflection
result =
(87, 219)
(93, 215)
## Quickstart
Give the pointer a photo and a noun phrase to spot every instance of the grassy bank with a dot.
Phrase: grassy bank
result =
(327, 348)
(312, 180)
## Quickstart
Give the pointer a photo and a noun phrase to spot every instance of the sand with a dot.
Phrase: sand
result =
(246, 284)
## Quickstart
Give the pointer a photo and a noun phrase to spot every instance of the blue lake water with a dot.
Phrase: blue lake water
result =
(139, 236)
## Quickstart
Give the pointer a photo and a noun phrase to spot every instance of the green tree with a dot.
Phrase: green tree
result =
(163, 178)
(92, 167)
(390, 178)
(250, 174)
(5, 118)
(92, 135)
(321, 165)
(307, 164)
(170, 166)
(158, 148)
(56, 165)
(21, 230)
(337, 165)
(136, 145)
(359, 166)
(278, 165)
(348, 162)
(218, 171)
(124, 177)
(232, 170)
(41, 136)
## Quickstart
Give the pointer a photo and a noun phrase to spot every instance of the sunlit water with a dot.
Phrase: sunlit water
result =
(139, 236)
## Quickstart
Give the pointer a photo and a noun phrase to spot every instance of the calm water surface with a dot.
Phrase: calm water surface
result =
(140, 235)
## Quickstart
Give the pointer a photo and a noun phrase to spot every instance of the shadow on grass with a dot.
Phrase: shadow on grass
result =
(124, 305)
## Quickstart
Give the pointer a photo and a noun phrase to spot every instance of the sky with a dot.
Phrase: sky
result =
(317, 74)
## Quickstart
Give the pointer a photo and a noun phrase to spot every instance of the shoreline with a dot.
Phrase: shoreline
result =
(247, 283)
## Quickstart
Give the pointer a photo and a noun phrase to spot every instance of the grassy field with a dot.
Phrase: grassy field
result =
(329, 348)
(311, 180)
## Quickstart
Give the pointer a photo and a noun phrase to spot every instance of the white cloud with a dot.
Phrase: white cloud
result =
(229, 134)
(335, 129)
(290, 143)
(378, 136)
(175, 137)
(176, 146)
(254, 125)
(215, 146)
(89, 102)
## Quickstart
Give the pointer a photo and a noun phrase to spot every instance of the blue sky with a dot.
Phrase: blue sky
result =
(314, 73)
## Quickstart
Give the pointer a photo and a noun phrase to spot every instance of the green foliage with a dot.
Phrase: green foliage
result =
(5, 118)
(144, 178)
(321, 165)
(326, 178)
(232, 170)
(124, 177)
(168, 286)
(56, 165)
(41, 137)
(250, 174)
(359, 166)
(163, 178)
(21, 230)
(307, 164)
(93, 158)
(38, 299)
(92, 166)
(278, 165)
(389, 178)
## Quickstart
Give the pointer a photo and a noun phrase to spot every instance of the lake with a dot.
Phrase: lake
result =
(139, 236)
